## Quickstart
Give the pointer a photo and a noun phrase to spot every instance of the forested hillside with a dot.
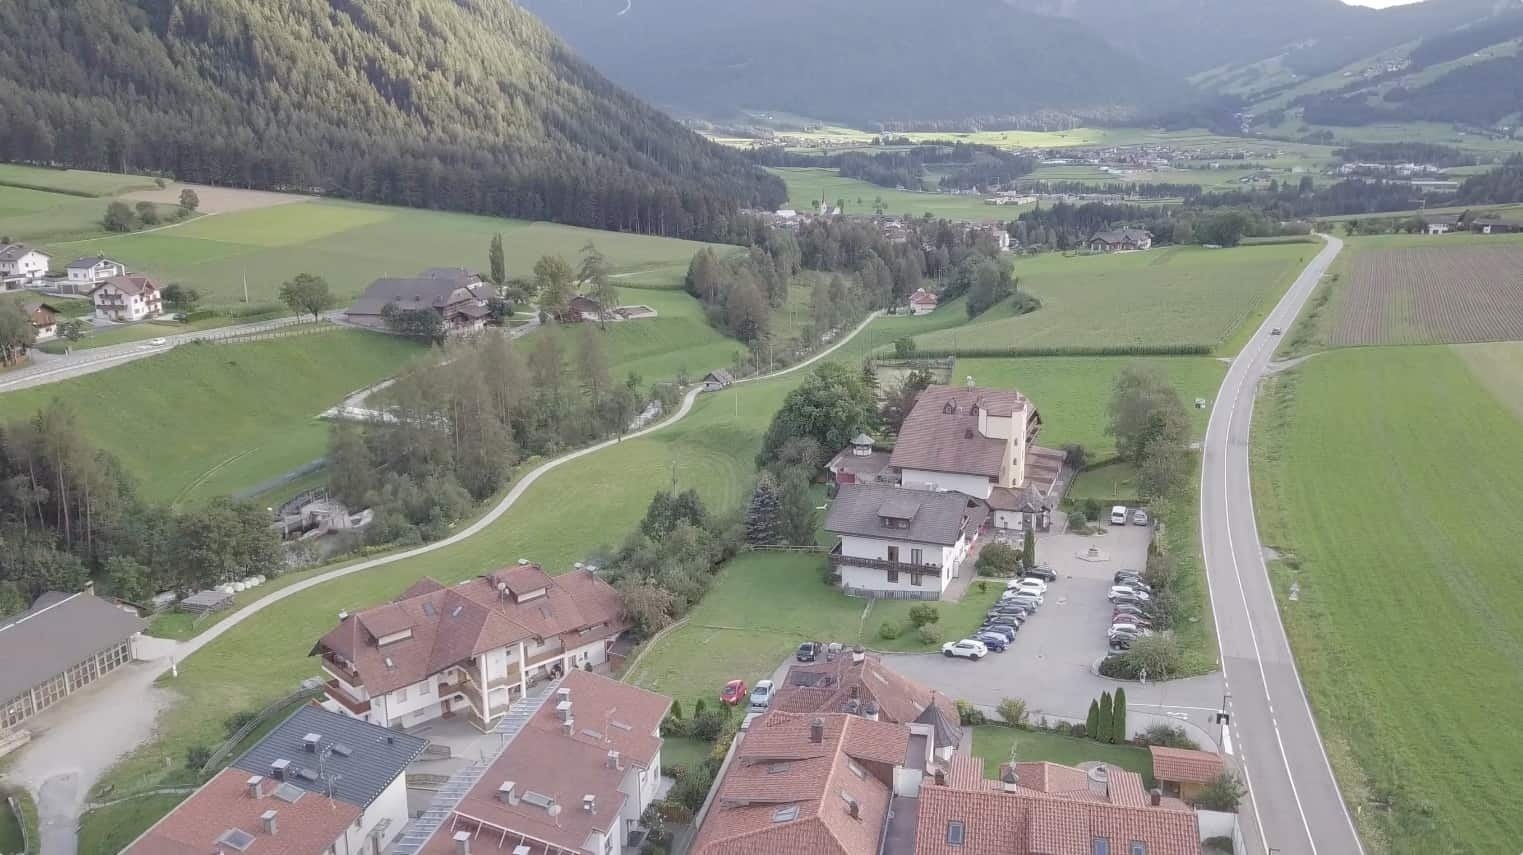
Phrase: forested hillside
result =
(470, 106)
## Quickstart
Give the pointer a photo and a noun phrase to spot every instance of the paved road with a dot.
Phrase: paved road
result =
(49, 368)
(60, 771)
(1295, 805)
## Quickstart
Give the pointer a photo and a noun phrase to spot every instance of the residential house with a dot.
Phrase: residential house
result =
(583, 308)
(858, 683)
(981, 442)
(922, 302)
(1183, 773)
(317, 783)
(21, 264)
(1442, 225)
(994, 232)
(129, 297)
(44, 319)
(469, 649)
(1121, 240)
(901, 542)
(575, 779)
(821, 784)
(458, 295)
(62, 644)
(88, 271)
(860, 462)
(717, 379)
(1045, 809)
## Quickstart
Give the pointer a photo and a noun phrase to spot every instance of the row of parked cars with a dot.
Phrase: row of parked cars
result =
(1129, 596)
(1021, 600)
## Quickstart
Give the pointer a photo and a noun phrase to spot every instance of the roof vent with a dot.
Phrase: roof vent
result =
(614, 761)
(523, 562)
(462, 843)
(570, 727)
(505, 793)
(590, 803)
(967, 433)
(311, 741)
(254, 782)
(858, 656)
(1155, 797)
(278, 769)
(563, 709)
(817, 731)
(267, 819)
(343, 616)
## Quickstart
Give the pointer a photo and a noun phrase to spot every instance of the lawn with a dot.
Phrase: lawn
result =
(807, 185)
(11, 837)
(54, 219)
(82, 182)
(1166, 296)
(1389, 478)
(202, 420)
(110, 829)
(1115, 480)
(992, 743)
(958, 620)
(688, 751)
(351, 244)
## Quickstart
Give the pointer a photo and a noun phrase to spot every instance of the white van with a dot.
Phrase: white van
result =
(1118, 515)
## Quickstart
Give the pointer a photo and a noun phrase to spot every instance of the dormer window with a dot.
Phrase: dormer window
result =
(393, 638)
(950, 408)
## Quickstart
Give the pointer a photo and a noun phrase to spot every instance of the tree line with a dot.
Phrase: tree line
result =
(960, 165)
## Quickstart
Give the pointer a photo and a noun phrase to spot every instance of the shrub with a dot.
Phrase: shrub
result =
(706, 726)
(1167, 736)
(677, 708)
(1028, 548)
(1078, 522)
(930, 634)
(1013, 711)
(1080, 730)
(1076, 455)
(904, 346)
(672, 726)
(691, 791)
(1223, 793)
(969, 715)
(923, 615)
(1092, 721)
(1118, 668)
(1103, 731)
(889, 631)
(998, 559)
(1163, 608)
(237, 720)
(1118, 718)
(698, 707)
(1092, 509)
(1159, 571)
(197, 756)
(1155, 655)
(983, 587)
(1219, 844)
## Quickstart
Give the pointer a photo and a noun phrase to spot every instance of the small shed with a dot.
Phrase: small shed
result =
(1183, 773)
(717, 379)
(206, 602)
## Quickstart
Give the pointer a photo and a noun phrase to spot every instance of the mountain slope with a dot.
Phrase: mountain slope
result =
(470, 105)
(859, 61)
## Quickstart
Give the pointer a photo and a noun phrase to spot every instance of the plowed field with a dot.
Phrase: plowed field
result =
(1432, 295)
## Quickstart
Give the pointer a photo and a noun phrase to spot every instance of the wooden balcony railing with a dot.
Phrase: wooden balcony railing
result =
(839, 560)
(336, 692)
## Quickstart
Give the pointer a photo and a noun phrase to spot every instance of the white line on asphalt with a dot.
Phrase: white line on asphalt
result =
(1227, 739)
(1176, 707)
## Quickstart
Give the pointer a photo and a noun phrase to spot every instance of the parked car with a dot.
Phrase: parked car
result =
(1036, 585)
(1002, 630)
(1122, 576)
(1139, 517)
(1031, 597)
(1000, 622)
(968, 648)
(1121, 591)
(1122, 642)
(733, 692)
(1130, 617)
(994, 641)
(1127, 629)
(1041, 571)
(1118, 515)
(761, 695)
(1131, 608)
(808, 651)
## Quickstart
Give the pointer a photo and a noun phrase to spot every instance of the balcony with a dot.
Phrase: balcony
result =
(342, 670)
(336, 691)
(838, 560)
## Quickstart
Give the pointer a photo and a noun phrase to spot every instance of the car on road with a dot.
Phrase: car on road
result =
(996, 642)
(808, 651)
(1118, 515)
(1128, 591)
(733, 692)
(761, 695)
(1275, 331)
(1036, 585)
(158, 342)
(1131, 629)
(968, 648)
(1139, 517)
(1041, 571)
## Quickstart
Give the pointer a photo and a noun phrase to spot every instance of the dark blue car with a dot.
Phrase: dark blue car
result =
(995, 641)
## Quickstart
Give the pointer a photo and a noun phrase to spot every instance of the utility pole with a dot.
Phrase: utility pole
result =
(245, 285)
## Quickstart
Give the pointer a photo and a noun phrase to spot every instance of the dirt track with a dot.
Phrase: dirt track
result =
(218, 200)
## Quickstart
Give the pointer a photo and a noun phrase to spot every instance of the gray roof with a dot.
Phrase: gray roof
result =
(86, 262)
(720, 376)
(862, 439)
(434, 288)
(58, 632)
(935, 517)
(376, 755)
(1119, 235)
(13, 251)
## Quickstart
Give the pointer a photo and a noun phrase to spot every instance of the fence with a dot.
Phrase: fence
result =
(1063, 350)
(259, 718)
(21, 822)
(303, 326)
(872, 594)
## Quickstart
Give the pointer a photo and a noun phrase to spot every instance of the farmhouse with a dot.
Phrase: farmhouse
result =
(318, 782)
(575, 779)
(717, 379)
(459, 296)
(1495, 226)
(860, 462)
(88, 271)
(470, 649)
(129, 297)
(894, 541)
(62, 644)
(1121, 240)
(44, 318)
(922, 302)
(582, 308)
(20, 263)
(1441, 225)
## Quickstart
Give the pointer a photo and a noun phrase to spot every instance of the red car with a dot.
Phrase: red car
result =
(734, 692)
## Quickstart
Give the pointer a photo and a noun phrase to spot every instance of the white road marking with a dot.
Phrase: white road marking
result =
(1227, 740)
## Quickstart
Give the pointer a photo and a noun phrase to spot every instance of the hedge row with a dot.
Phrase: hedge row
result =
(1062, 350)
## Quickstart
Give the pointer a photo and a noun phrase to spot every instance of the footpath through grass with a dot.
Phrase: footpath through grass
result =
(1389, 480)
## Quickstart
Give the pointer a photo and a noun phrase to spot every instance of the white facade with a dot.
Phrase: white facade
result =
(112, 303)
(94, 274)
(977, 486)
(378, 824)
(938, 562)
(31, 264)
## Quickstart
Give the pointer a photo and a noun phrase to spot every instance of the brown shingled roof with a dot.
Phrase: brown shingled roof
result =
(1179, 764)
(830, 686)
(941, 432)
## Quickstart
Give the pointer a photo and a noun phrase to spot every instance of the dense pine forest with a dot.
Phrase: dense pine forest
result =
(470, 106)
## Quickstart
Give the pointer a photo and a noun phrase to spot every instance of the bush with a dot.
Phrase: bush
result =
(889, 631)
(1079, 731)
(1163, 608)
(698, 707)
(998, 559)
(904, 346)
(969, 715)
(1224, 793)
(1076, 456)
(1078, 522)
(1092, 509)
(1013, 711)
(1159, 571)
(1092, 722)
(1118, 668)
(237, 720)
(923, 615)
(1219, 844)
(197, 756)
(672, 726)
(677, 708)
(1155, 655)
(706, 726)
(692, 790)
(1166, 736)
(930, 634)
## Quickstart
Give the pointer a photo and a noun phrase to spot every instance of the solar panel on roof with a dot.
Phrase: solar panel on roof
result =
(786, 814)
(538, 799)
(621, 725)
(289, 793)
(237, 838)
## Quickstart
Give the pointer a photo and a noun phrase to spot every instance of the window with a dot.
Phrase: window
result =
(893, 553)
(915, 579)
(1102, 846)
(893, 576)
(425, 688)
(916, 556)
(855, 769)
(954, 833)
(788, 813)
(401, 694)
(1139, 848)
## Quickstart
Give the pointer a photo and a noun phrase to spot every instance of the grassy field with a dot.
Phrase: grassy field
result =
(110, 829)
(1170, 296)
(204, 420)
(1388, 479)
(807, 186)
(142, 331)
(80, 182)
(55, 220)
(11, 839)
(351, 244)
(992, 743)
(686, 751)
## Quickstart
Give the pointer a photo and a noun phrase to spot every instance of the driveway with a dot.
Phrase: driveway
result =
(1050, 665)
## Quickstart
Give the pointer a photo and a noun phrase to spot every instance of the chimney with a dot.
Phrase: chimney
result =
(817, 731)
(854, 809)
(505, 793)
(267, 819)
(870, 711)
(311, 741)
(858, 656)
(590, 803)
(1010, 781)
(563, 709)
(278, 769)
(254, 782)
(1100, 781)
(1155, 797)
(969, 381)
(940, 776)
(462, 843)
(343, 616)
(570, 727)
(614, 761)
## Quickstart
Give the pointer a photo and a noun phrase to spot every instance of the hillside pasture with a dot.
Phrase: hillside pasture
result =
(1184, 296)
(1431, 295)
(78, 182)
(808, 185)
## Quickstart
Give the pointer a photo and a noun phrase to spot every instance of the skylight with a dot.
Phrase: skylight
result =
(428, 609)
(954, 832)
(787, 813)
(289, 793)
(237, 838)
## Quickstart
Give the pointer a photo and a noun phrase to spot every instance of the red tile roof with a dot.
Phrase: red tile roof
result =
(941, 432)
(785, 793)
(830, 687)
(1181, 765)
(455, 623)
(310, 824)
(543, 759)
(923, 297)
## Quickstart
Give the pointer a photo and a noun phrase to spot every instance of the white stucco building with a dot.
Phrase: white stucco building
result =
(86, 272)
(21, 263)
(900, 542)
(129, 297)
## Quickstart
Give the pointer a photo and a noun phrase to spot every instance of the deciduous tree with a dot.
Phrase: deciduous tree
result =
(307, 294)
